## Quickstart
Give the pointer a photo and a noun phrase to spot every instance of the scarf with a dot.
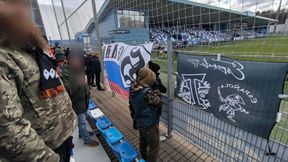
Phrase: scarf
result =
(50, 84)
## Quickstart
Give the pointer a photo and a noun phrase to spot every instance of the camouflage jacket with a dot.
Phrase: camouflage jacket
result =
(30, 127)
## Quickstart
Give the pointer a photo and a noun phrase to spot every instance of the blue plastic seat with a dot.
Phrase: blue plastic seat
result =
(142, 160)
(91, 105)
(95, 114)
(126, 152)
(104, 123)
(113, 135)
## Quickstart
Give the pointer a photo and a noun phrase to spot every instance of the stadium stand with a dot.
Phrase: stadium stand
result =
(193, 36)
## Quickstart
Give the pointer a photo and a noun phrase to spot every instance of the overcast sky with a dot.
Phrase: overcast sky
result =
(70, 3)
(240, 5)
(85, 12)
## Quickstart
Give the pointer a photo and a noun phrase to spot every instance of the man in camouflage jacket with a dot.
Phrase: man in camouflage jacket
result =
(32, 125)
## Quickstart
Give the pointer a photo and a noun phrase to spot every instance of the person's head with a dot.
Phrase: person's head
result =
(17, 29)
(146, 77)
(76, 61)
(96, 54)
(154, 67)
(76, 57)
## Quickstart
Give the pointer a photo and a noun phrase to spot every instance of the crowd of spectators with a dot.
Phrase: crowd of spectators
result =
(184, 37)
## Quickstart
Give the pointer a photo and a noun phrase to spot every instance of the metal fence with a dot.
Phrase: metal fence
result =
(223, 141)
(219, 139)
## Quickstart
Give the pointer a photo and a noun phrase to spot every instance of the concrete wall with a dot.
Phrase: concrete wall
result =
(109, 24)
(280, 28)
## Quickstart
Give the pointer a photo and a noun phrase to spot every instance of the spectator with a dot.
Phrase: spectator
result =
(145, 103)
(36, 116)
(158, 86)
(67, 52)
(96, 70)
(74, 80)
(52, 52)
(88, 69)
(59, 53)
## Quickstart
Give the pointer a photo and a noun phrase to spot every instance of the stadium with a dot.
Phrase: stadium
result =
(241, 46)
(148, 21)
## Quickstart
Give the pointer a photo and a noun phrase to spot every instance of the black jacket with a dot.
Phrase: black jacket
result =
(88, 64)
(144, 104)
(95, 64)
(159, 85)
(79, 95)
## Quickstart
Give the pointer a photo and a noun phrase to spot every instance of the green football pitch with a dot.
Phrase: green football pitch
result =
(266, 49)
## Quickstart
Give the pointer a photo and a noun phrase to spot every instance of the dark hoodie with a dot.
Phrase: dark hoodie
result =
(144, 105)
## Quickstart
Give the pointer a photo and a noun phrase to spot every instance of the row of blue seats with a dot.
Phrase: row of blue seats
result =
(123, 150)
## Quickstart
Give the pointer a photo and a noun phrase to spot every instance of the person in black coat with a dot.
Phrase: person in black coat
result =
(158, 85)
(96, 70)
(73, 77)
(88, 70)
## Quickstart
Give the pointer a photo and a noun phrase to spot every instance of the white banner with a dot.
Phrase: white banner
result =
(122, 61)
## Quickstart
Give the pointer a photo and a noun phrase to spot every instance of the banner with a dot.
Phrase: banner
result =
(122, 61)
(242, 93)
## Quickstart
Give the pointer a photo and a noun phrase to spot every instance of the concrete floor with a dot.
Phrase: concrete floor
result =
(84, 153)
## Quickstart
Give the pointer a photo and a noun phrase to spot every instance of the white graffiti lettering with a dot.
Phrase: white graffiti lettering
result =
(231, 104)
(194, 90)
(229, 68)
(237, 87)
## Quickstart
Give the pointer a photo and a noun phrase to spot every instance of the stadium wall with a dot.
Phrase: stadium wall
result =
(110, 31)
(107, 25)
(281, 28)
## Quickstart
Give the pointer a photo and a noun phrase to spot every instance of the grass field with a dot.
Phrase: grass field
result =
(265, 49)
(268, 49)
(269, 46)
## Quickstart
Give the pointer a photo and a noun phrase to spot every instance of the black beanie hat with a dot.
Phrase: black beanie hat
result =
(154, 67)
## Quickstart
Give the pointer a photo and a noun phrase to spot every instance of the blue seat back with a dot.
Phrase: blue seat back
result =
(113, 135)
(104, 122)
(126, 152)
(99, 128)
(91, 105)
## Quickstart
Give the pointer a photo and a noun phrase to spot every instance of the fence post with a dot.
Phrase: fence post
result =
(66, 23)
(57, 21)
(99, 40)
(170, 85)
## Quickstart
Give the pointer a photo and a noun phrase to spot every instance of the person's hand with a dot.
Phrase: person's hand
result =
(158, 93)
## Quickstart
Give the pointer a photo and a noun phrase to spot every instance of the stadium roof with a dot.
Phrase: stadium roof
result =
(175, 11)
(76, 23)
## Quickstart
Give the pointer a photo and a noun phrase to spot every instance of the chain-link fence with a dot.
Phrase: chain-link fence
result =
(251, 30)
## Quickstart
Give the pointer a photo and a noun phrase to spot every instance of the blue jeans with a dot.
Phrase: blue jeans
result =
(82, 126)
